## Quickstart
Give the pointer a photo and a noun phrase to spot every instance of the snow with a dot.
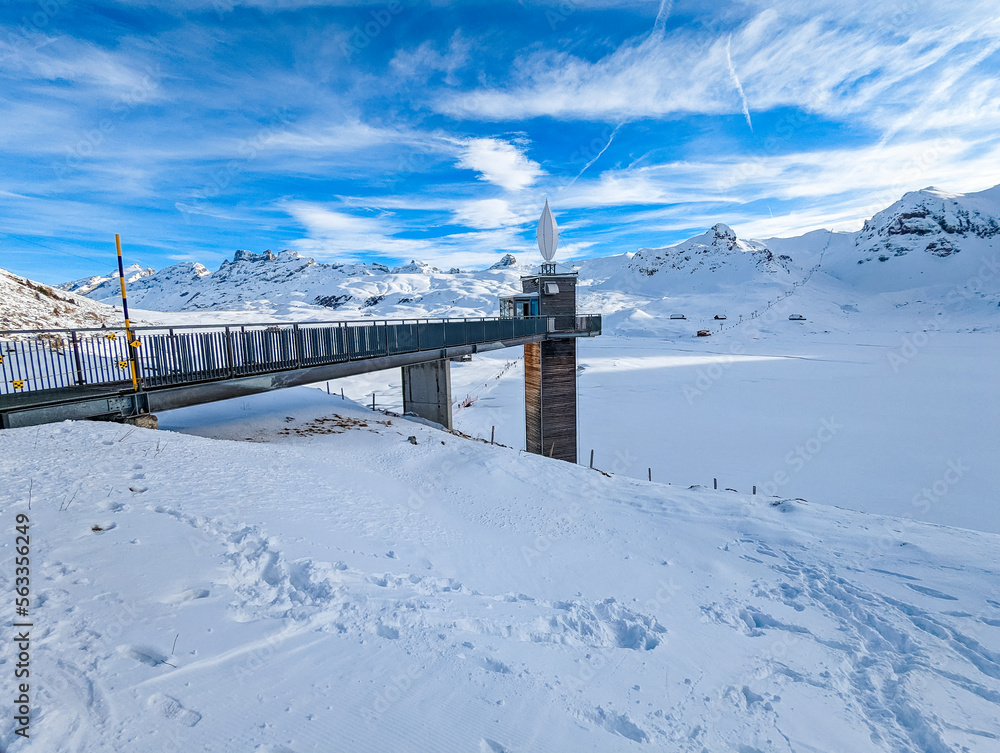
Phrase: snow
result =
(396, 596)
(757, 413)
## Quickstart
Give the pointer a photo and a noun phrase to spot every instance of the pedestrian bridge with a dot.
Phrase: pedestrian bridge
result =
(54, 375)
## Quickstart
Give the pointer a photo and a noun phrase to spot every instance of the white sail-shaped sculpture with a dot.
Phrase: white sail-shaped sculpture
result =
(548, 234)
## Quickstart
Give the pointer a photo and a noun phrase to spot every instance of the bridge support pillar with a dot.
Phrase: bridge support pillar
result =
(427, 391)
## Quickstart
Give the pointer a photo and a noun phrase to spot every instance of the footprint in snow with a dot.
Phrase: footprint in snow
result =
(171, 708)
(144, 655)
(390, 633)
(490, 746)
(191, 594)
(495, 665)
(618, 724)
(930, 592)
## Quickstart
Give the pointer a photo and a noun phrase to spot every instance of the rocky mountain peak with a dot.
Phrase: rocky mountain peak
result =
(506, 261)
(250, 256)
(929, 221)
(415, 267)
(723, 232)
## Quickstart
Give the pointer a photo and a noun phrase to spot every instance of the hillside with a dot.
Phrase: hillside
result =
(436, 597)
(25, 304)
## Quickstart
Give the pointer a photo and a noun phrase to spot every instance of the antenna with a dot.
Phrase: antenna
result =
(548, 238)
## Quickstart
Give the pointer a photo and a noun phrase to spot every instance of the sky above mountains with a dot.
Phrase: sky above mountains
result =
(387, 131)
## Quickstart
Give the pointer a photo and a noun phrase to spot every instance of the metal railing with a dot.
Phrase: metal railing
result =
(37, 360)
(589, 324)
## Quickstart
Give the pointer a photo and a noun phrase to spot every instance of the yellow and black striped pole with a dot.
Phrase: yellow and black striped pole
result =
(128, 324)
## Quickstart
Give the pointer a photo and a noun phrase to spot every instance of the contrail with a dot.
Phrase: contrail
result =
(739, 86)
(610, 139)
(662, 15)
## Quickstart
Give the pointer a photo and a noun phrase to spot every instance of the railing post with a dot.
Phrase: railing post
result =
(297, 340)
(76, 359)
(137, 361)
(229, 354)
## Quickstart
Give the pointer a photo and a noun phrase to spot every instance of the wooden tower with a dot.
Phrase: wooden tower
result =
(550, 368)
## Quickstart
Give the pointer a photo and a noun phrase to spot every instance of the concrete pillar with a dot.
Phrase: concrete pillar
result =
(427, 391)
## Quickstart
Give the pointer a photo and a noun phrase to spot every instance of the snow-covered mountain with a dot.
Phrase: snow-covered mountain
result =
(415, 268)
(928, 221)
(713, 261)
(288, 283)
(927, 238)
(927, 247)
(717, 250)
(101, 286)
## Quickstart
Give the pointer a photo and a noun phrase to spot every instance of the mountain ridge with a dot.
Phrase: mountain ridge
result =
(927, 238)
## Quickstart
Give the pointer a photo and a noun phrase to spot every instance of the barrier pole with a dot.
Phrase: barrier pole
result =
(128, 324)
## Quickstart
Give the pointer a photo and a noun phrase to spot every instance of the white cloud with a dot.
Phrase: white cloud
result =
(422, 61)
(486, 214)
(819, 59)
(351, 233)
(336, 234)
(499, 162)
(65, 59)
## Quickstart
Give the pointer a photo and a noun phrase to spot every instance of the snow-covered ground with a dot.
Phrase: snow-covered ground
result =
(330, 585)
(832, 419)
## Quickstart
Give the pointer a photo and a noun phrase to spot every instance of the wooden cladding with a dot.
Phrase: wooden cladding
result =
(550, 398)
(562, 303)
(533, 398)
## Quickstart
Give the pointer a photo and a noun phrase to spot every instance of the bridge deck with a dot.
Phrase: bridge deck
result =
(53, 375)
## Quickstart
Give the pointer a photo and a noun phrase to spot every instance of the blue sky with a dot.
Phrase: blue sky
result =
(386, 131)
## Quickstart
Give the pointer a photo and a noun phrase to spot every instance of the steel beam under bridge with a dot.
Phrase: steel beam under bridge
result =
(76, 374)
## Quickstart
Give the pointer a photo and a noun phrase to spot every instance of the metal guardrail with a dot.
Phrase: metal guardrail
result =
(41, 360)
